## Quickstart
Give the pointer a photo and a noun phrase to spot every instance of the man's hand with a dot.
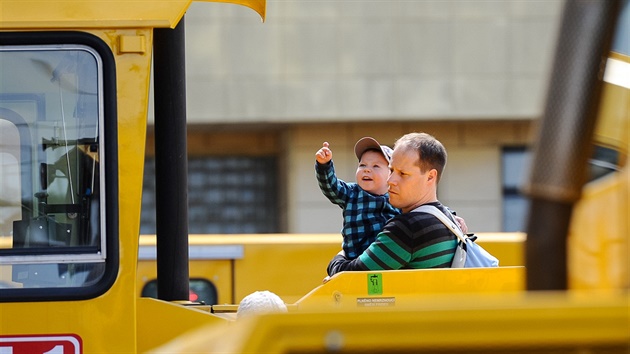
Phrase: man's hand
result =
(340, 253)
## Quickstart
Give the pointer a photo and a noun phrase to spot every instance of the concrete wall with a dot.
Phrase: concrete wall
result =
(472, 73)
(369, 60)
(471, 184)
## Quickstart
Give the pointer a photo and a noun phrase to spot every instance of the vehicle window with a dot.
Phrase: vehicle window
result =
(51, 163)
(603, 162)
(200, 290)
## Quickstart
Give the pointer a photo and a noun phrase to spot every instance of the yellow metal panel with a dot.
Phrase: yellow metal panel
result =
(159, 321)
(290, 270)
(508, 247)
(398, 288)
(217, 271)
(220, 273)
(300, 258)
(90, 14)
(524, 323)
(132, 44)
(257, 5)
(114, 311)
(265, 256)
(599, 243)
(34, 14)
(613, 123)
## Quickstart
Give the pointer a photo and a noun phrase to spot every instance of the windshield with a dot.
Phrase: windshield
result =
(50, 154)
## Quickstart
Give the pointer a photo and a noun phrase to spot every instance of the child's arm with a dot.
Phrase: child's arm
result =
(462, 223)
(336, 190)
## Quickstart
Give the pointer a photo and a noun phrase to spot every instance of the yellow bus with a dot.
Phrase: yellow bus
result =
(74, 89)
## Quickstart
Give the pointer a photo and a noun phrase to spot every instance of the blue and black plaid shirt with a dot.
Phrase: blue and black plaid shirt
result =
(364, 214)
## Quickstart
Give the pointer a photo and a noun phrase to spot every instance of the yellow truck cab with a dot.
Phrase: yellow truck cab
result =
(74, 93)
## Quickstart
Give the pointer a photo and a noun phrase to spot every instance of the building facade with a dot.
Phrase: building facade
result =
(262, 97)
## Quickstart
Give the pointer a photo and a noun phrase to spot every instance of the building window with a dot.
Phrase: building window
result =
(515, 172)
(226, 195)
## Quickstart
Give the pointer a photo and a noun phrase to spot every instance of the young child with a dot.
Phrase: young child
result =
(365, 204)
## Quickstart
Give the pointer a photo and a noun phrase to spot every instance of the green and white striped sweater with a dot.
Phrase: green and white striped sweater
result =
(411, 240)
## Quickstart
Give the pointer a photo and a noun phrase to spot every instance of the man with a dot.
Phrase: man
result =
(411, 240)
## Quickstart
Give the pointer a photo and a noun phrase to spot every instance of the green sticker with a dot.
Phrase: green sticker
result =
(375, 284)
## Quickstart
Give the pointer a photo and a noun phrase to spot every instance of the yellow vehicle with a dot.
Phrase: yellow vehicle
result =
(74, 85)
(572, 296)
(74, 93)
(223, 269)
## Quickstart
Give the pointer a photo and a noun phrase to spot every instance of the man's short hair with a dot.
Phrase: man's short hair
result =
(431, 153)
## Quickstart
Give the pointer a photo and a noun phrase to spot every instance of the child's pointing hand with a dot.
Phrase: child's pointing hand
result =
(323, 155)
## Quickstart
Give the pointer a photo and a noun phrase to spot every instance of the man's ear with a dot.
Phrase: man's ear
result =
(432, 175)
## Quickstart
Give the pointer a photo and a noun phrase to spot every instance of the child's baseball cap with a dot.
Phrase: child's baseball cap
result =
(367, 143)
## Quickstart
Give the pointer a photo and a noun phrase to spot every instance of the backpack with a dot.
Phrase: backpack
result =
(468, 254)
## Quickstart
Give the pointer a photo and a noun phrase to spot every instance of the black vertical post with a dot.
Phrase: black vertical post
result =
(171, 164)
(565, 138)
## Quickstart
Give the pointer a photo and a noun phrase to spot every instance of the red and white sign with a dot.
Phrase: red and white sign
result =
(41, 344)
